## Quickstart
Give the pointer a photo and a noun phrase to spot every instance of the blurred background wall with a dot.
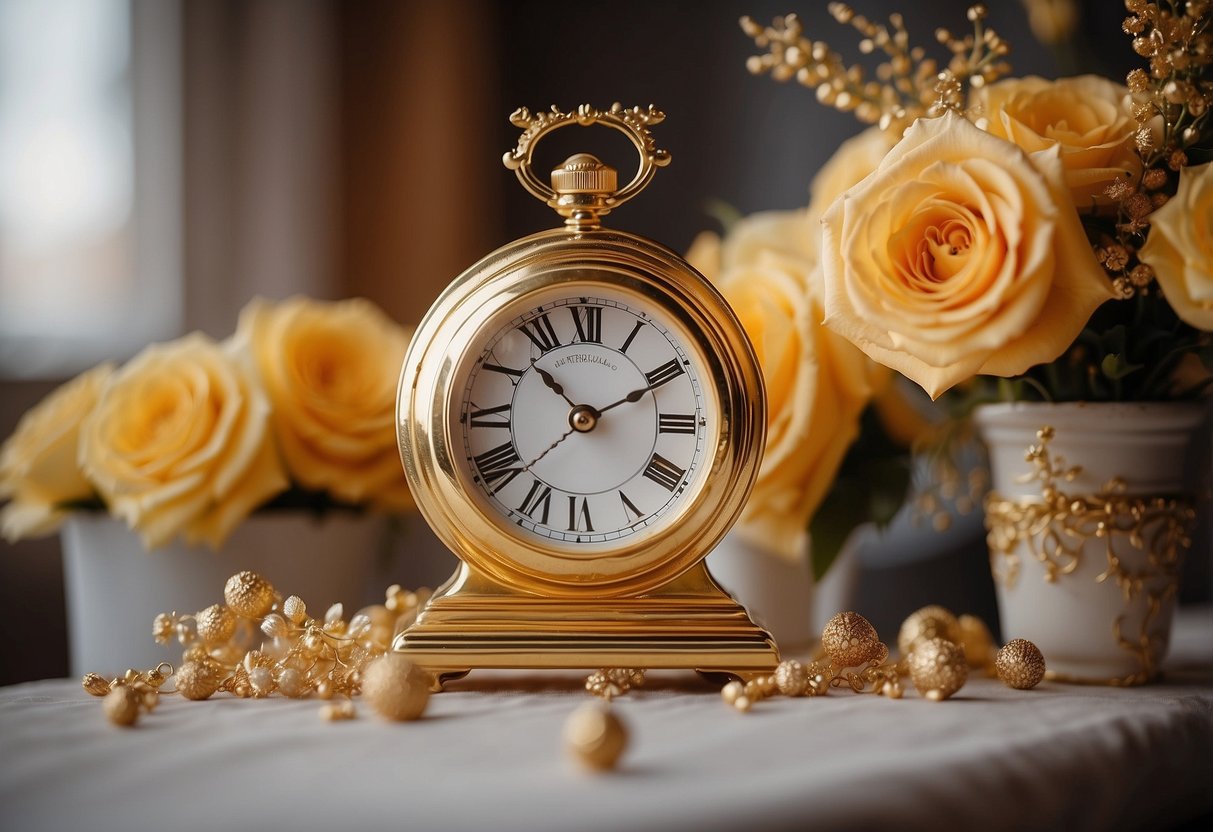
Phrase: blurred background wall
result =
(275, 147)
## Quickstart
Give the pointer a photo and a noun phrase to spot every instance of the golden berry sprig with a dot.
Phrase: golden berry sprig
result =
(907, 84)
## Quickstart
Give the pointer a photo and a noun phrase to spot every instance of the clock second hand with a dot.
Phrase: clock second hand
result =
(547, 450)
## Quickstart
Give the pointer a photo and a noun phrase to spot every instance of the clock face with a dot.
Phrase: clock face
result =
(582, 418)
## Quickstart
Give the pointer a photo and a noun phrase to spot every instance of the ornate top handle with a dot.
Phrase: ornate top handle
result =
(583, 188)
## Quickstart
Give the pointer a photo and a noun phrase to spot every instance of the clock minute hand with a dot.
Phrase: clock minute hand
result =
(551, 383)
(634, 396)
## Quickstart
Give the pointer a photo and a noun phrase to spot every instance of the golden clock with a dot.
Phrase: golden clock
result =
(581, 419)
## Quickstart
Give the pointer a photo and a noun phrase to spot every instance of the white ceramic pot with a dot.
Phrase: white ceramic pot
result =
(115, 588)
(1088, 580)
(780, 593)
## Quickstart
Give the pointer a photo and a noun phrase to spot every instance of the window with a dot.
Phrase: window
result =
(90, 217)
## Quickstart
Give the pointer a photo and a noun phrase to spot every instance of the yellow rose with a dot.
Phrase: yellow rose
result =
(1180, 247)
(817, 384)
(331, 370)
(1087, 118)
(852, 161)
(38, 464)
(179, 442)
(960, 254)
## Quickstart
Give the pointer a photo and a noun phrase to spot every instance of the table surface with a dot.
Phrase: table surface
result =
(488, 754)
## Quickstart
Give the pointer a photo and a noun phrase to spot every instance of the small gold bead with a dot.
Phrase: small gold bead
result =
(198, 679)
(292, 683)
(1020, 664)
(396, 688)
(248, 594)
(751, 690)
(313, 642)
(163, 628)
(743, 703)
(595, 736)
(324, 690)
(850, 640)
(149, 697)
(335, 711)
(95, 684)
(195, 653)
(927, 623)
(294, 609)
(938, 668)
(731, 692)
(976, 639)
(121, 706)
(792, 678)
(261, 679)
(215, 624)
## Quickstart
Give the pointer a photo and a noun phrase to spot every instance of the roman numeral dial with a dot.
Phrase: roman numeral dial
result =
(585, 418)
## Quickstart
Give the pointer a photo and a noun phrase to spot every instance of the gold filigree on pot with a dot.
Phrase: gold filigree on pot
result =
(1056, 528)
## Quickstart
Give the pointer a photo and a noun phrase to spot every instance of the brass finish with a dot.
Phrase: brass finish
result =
(644, 601)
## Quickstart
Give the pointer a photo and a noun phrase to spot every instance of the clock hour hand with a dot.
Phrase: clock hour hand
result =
(552, 384)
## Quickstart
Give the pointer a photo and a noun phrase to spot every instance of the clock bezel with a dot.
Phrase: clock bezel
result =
(451, 334)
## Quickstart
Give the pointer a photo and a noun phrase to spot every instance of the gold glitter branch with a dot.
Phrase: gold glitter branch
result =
(1172, 99)
(907, 85)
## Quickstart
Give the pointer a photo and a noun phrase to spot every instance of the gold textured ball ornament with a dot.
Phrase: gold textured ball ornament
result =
(850, 640)
(1020, 664)
(792, 678)
(121, 706)
(396, 688)
(938, 668)
(927, 623)
(595, 736)
(198, 679)
(216, 624)
(978, 643)
(248, 594)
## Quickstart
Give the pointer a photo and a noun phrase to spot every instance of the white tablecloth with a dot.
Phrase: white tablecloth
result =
(488, 755)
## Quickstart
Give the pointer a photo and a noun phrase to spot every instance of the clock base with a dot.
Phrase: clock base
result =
(690, 623)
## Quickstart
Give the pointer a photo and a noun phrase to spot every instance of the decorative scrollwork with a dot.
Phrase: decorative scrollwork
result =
(1055, 529)
(633, 122)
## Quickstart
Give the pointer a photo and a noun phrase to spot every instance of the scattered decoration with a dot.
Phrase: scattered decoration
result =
(396, 688)
(122, 705)
(614, 681)
(977, 642)
(937, 668)
(1020, 664)
(247, 594)
(595, 736)
(927, 623)
(850, 640)
(198, 679)
(300, 656)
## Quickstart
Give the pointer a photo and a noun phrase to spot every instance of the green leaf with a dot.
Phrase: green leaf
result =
(1115, 367)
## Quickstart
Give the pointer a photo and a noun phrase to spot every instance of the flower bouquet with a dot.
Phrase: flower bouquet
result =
(291, 420)
(1001, 239)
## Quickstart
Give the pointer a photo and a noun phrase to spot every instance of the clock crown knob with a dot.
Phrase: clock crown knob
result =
(584, 174)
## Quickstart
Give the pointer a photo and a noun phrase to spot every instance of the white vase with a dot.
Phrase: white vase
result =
(115, 588)
(1090, 577)
(780, 593)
